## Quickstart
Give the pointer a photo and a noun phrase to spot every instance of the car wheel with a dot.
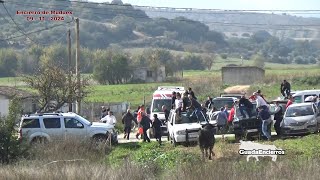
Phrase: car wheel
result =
(39, 140)
(237, 137)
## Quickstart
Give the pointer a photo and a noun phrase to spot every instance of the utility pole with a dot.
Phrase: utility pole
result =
(78, 106)
(70, 71)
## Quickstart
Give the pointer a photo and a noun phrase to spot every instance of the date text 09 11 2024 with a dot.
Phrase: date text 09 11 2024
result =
(43, 18)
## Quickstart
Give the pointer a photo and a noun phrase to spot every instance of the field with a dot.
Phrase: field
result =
(76, 160)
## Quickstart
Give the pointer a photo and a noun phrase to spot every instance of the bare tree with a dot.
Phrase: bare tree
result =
(51, 84)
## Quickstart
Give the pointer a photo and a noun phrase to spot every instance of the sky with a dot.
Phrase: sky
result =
(229, 4)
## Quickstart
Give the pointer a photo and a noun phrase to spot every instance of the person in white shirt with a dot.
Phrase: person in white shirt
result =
(178, 103)
(260, 101)
(109, 119)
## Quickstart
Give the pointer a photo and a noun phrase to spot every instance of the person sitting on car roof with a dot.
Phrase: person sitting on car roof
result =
(245, 105)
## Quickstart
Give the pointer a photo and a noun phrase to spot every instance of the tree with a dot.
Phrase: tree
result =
(51, 84)
(10, 147)
(8, 62)
(258, 61)
(208, 60)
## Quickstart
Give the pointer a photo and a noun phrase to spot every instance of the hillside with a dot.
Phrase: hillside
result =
(235, 23)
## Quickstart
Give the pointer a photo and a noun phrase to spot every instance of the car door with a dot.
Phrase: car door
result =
(74, 128)
(52, 127)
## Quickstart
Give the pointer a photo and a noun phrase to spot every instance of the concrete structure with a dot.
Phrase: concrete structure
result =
(242, 75)
(27, 100)
(147, 75)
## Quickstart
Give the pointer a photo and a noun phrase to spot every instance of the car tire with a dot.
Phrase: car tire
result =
(39, 140)
(237, 137)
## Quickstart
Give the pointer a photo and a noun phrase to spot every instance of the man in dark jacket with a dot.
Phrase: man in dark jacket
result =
(166, 112)
(157, 128)
(145, 123)
(285, 88)
(190, 92)
(245, 105)
(127, 121)
(266, 121)
(208, 103)
(173, 99)
(278, 116)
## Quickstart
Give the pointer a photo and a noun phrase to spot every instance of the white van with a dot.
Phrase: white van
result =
(162, 96)
(300, 96)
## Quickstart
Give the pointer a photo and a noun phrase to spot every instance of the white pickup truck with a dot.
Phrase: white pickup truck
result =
(48, 127)
(184, 128)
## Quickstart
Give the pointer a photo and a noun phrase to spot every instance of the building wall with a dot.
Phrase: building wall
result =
(4, 105)
(242, 75)
(158, 76)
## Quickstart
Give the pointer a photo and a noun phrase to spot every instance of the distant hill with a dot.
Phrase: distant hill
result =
(235, 23)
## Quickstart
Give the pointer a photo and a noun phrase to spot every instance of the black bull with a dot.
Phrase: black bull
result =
(207, 140)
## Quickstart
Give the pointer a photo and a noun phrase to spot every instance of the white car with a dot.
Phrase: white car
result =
(48, 127)
(185, 128)
(301, 118)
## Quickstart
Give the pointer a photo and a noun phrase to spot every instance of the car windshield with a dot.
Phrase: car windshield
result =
(299, 111)
(83, 120)
(190, 117)
(218, 103)
(158, 103)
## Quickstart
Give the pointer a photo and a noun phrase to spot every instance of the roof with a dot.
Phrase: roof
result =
(242, 67)
(301, 104)
(12, 91)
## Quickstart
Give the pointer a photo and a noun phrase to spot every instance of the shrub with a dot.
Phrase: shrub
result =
(308, 80)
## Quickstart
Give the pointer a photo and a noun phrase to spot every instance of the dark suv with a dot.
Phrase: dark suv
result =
(246, 127)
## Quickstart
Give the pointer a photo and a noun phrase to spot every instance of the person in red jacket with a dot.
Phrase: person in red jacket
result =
(291, 100)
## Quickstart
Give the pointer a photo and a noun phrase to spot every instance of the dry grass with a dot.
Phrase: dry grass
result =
(237, 89)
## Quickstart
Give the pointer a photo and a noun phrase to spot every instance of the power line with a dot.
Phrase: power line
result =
(187, 20)
(37, 31)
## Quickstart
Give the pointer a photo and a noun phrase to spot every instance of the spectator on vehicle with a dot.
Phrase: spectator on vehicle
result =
(260, 101)
(190, 92)
(178, 104)
(145, 124)
(319, 102)
(290, 101)
(104, 112)
(278, 116)
(261, 95)
(166, 112)
(195, 106)
(221, 120)
(266, 121)
(245, 106)
(204, 109)
(109, 119)
(156, 124)
(173, 99)
(208, 103)
(127, 121)
(285, 89)
(185, 101)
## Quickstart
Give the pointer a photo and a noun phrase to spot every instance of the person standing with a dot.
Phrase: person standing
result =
(266, 121)
(145, 124)
(222, 120)
(109, 119)
(208, 102)
(290, 101)
(185, 101)
(190, 92)
(104, 112)
(278, 116)
(166, 112)
(245, 105)
(260, 101)
(173, 99)
(285, 89)
(178, 104)
(157, 128)
(127, 121)
(141, 112)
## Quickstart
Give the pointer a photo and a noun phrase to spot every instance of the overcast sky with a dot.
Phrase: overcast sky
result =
(229, 4)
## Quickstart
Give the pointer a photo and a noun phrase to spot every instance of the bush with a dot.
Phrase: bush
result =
(309, 80)
(224, 56)
(10, 147)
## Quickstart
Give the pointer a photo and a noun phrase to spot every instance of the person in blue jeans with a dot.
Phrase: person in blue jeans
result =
(266, 121)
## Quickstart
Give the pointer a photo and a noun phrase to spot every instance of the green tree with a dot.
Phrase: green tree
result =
(10, 147)
(8, 62)
(258, 61)
(51, 84)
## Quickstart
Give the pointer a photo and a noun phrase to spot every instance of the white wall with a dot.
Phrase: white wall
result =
(4, 106)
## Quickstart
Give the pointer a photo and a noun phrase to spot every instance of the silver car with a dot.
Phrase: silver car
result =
(301, 118)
